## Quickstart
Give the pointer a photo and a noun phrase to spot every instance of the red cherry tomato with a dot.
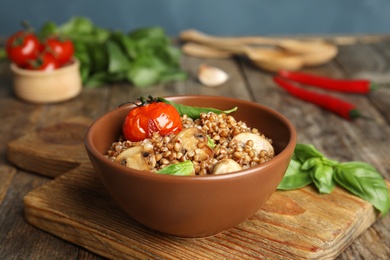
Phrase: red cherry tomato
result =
(142, 121)
(62, 49)
(45, 62)
(21, 47)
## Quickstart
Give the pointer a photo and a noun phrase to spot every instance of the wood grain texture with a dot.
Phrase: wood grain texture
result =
(52, 150)
(6, 175)
(364, 140)
(293, 224)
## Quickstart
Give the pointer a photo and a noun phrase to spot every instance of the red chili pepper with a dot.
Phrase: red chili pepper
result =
(331, 103)
(356, 86)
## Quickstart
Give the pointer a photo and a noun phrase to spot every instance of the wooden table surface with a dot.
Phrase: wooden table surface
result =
(337, 138)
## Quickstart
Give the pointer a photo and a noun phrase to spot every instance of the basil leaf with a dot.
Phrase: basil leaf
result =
(311, 163)
(180, 169)
(98, 58)
(305, 151)
(117, 60)
(3, 54)
(149, 33)
(143, 77)
(128, 45)
(97, 79)
(295, 177)
(359, 178)
(329, 162)
(194, 112)
(77, 25)
(323, 178)
(48, 28)
(364, 181)
(143, 57)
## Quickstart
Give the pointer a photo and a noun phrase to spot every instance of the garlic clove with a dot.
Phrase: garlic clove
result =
(211, 76)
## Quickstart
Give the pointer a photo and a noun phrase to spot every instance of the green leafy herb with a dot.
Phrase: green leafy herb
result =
(364, 181)
(295, 177)
(306, 151)
(194, 112)
(3, 54)
(143, 76)
(323, 178)
(117, 61)
(308, 166)
(181, 169)
(210, 142)
(142, 57)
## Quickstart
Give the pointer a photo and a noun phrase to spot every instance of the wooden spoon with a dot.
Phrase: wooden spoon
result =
(307, 59)
(315, 58)
(294, 46)
(204, 51)
(266, 58)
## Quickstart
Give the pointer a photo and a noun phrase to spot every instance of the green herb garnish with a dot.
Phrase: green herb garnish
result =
(194, 112)
(142, 57)
(180, 169)
(210, 142)
(308, 165)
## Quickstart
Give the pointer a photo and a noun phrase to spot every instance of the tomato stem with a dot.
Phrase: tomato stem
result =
(143, 101)
(27, 26)
(149, 100)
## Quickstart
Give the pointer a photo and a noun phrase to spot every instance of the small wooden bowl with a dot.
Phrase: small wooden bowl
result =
(47, 86)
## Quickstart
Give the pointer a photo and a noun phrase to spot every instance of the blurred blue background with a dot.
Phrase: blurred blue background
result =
(219, 17)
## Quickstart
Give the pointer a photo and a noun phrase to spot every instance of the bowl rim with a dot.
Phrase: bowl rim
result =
(38, 73)
(165, 177)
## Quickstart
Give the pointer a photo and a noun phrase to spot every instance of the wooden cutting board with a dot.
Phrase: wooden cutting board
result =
(74, 206)
(51, 150)
(293, 224)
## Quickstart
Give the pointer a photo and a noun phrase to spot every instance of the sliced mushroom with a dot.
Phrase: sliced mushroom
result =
(194, 140)
(259, 143)
(225, 166)
(138, 158)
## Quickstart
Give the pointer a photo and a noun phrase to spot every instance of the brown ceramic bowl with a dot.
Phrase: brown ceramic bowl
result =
(193, 206)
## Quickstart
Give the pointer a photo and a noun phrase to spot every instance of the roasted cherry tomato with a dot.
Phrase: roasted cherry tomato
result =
(149, 117)
(62, 49)
(45, 62)
(22, 46)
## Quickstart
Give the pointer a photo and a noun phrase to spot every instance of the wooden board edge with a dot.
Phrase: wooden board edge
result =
(60, 222)
(96, 243)
(23, 156)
